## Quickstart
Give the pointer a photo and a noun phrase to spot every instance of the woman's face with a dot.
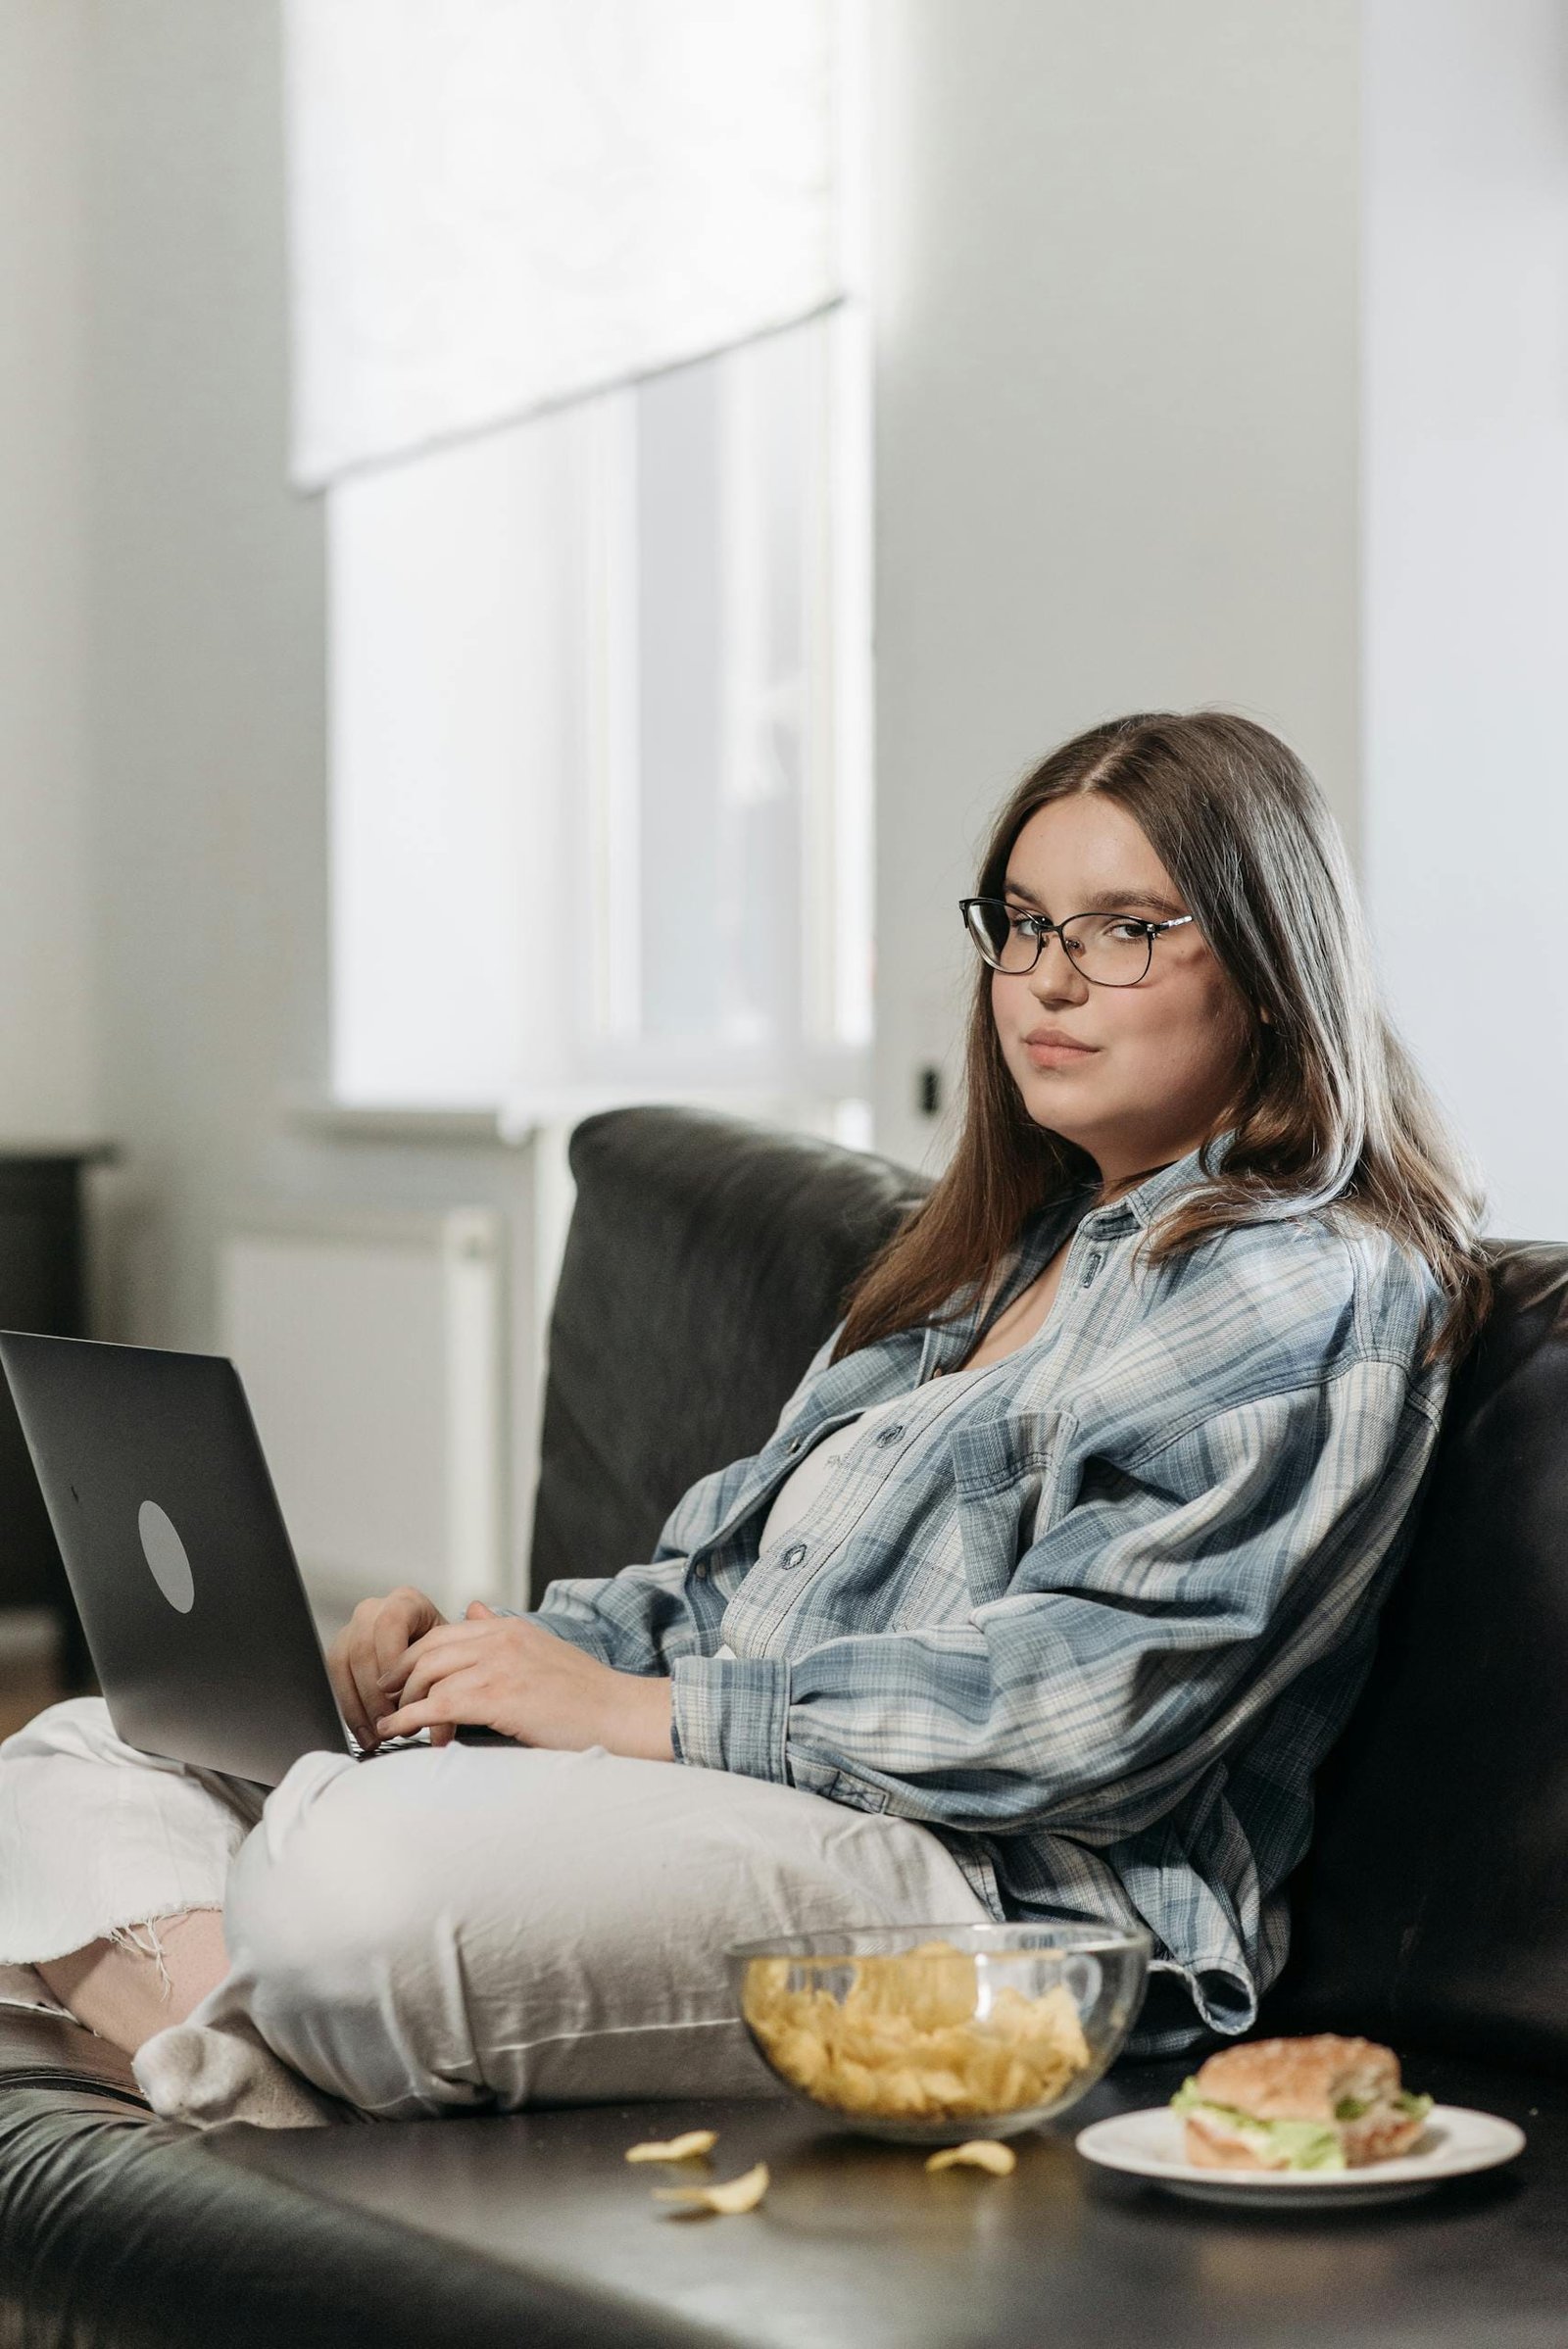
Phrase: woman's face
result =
(1159, 1062)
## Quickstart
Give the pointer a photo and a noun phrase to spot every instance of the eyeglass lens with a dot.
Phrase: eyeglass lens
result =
(1107, 948)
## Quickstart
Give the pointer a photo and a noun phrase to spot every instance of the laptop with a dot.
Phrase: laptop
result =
(177, 1557)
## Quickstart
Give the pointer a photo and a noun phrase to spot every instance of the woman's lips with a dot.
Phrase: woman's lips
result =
(1059, 1056)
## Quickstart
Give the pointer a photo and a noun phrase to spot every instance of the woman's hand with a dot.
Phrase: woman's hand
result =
(371, 1643)
(503, 1672)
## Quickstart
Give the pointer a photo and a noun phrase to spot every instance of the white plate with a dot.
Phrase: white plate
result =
(1149, 2144)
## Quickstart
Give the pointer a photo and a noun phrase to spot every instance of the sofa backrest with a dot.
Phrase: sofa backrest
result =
(707, 1261)
(1433, 1908)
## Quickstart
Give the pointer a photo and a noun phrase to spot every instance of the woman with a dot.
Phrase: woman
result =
(1045, 1598)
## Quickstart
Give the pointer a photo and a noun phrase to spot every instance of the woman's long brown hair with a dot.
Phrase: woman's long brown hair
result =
(1331, 1113)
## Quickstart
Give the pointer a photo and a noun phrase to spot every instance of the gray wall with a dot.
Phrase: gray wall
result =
(208, 882)
(46, 1033)
(1116, 417)
(209, 838)
(1466, 584)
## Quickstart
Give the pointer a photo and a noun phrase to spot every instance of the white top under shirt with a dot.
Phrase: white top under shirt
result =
(805, 1480)
(808, 1476)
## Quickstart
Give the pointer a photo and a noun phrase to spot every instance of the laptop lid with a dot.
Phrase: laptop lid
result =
(183, 1571)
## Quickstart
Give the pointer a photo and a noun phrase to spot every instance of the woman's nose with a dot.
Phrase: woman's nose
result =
(1056, 977)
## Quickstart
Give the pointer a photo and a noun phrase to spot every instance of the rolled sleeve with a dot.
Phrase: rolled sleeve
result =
(636, 1621)
(732, 1713)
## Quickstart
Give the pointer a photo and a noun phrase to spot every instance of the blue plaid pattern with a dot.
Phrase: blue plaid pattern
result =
(1092, 1615)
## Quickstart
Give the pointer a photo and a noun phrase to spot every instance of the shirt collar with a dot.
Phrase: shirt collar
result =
(1142, 1204)
(950, 1341)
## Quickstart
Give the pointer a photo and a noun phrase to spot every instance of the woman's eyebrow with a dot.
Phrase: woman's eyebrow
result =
(1105, 901)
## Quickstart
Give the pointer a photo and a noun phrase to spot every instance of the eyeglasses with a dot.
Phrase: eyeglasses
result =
(1110, 950)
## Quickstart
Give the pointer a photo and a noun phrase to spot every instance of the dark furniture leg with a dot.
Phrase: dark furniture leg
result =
(41, 1288)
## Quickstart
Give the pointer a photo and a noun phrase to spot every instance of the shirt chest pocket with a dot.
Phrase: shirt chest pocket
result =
(1010, 1488)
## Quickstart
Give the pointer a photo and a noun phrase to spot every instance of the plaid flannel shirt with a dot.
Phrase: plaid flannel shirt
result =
(1094, 1617)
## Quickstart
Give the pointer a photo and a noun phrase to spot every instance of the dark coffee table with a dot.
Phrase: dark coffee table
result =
(856, 2245)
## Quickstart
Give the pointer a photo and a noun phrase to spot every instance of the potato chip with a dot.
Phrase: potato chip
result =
(981, 2153)
(742, 2193)
(929, 1986)
(800, 2055)
(675, 2149)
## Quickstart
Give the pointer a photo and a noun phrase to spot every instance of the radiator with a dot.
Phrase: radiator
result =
(373, 1350)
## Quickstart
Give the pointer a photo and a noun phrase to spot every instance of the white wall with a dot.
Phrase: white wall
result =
(46, 1052)
(209, 729)
(1466, 642)
(1117, 416)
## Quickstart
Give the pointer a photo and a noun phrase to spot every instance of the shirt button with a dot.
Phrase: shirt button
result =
(794, 1443)
(888, 1435)
(700, 1573)
(793, 1554)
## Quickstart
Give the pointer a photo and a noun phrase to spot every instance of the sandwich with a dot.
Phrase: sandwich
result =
(1323, 2103)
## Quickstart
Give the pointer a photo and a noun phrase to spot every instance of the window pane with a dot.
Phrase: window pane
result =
(454, 696)
(599, 816)
(722, 457)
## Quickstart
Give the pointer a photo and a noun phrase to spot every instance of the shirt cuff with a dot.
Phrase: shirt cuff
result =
(731, 1713)
(577, 1631)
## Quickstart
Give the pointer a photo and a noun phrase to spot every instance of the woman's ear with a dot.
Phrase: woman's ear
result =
(1265, 1016)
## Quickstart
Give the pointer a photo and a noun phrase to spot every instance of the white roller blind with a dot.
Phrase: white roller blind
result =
(499, 205)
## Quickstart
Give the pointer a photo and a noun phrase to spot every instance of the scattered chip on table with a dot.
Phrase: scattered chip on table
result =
(980, 2153)
(675, 2149)
(737, 2195)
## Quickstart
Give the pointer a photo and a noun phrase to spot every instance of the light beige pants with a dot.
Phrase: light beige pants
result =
(435, 1929)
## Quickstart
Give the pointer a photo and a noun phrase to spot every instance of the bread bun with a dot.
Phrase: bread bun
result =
(1322, 2102)
(1211, 2147)
(1299, 2079)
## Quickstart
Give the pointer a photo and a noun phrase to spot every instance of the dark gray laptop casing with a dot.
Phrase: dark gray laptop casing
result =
(234, 1681)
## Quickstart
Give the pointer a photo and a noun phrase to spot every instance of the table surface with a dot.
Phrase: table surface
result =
(857, 2244)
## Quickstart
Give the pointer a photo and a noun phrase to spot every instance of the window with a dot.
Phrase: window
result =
(600, 746)
(599, 604)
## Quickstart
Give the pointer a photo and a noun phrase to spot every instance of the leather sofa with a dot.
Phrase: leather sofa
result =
(704, 1261)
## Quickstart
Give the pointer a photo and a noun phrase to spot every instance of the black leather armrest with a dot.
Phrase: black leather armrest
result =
(125, 2232)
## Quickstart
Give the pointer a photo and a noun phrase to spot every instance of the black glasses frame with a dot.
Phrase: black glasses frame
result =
(1043, 929)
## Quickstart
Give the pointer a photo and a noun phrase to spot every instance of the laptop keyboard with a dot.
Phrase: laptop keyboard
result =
(367, 1753)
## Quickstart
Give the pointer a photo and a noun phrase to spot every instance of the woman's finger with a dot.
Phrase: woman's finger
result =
(359, 1686)
(345, 1687)
(437, 1663)
(400, 1621)
(366, 1680)
(448, 1640)
(458, 1698)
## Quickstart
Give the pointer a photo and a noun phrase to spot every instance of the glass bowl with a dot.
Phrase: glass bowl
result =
(932, 2034)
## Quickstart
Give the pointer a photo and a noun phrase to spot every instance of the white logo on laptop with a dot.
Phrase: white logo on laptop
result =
(165, 1553)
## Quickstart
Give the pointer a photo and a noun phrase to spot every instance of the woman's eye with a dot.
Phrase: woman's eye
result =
(1127, 929)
